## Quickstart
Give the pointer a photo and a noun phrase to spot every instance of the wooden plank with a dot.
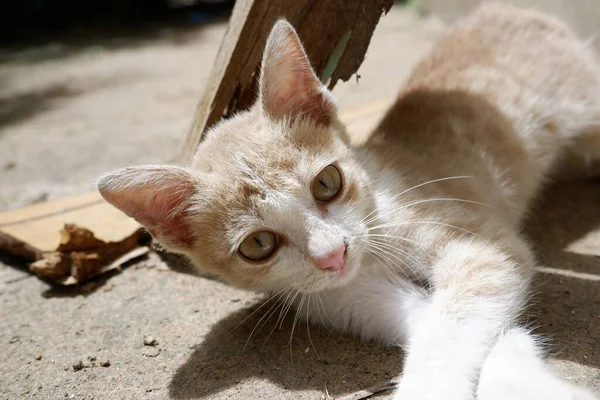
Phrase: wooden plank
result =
(321, 26)
(39, 224)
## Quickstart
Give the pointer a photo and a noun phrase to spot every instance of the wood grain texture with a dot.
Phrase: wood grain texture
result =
(39, 225)
(320, 24)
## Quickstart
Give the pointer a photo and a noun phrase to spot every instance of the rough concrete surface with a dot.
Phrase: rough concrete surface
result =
(133, 103)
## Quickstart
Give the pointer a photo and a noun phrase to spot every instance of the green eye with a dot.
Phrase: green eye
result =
(259, 246)
(327, 184)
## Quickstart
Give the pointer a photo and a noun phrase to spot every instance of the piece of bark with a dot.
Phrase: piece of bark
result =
(74, 238)
(79, 256)
(323, 27)
(54, 265)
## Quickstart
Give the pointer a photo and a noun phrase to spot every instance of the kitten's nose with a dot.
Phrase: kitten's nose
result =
(334, 261)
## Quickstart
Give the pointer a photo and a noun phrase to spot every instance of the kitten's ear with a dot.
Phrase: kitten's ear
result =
(288, 86)
(158, 197)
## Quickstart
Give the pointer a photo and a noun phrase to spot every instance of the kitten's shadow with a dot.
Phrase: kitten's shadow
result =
(315, 359)
(565, 230)
(566, 311)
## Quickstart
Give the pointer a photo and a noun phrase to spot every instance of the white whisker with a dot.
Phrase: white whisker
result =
(257, 324)
(382, 250)
(402, 223)
(393, 246)
(364, 220)
(261, 306)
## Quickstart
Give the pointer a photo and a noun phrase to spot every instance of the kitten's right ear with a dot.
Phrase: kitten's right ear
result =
(158, 197)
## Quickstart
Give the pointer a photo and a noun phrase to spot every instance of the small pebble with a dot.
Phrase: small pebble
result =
(78, 365)
(14, 339)
(38, 356)
(92, 358)
(104, 363)
(150, 341)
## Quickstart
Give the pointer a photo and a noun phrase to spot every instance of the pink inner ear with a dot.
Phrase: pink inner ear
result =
(158, 198)
(303, 100)
(289, 87)
(165, 216)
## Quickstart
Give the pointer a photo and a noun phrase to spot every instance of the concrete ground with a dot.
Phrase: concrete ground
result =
(68, 114)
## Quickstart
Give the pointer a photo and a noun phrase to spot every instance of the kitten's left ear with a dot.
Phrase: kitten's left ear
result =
(289, 87)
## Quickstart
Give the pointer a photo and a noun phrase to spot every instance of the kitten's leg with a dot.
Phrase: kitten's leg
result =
(479, 290)
(515, 370)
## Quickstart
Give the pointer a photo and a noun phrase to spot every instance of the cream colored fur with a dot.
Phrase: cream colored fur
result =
(430, 209)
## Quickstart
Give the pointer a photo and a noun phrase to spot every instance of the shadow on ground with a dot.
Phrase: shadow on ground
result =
(565, 229)
(25, 105)
(313, 359)
(565, 310)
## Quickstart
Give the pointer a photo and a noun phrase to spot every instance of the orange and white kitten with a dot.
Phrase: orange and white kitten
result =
(412, 238)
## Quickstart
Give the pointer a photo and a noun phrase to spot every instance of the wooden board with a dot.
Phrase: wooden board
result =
(39, 224)
(343, 25)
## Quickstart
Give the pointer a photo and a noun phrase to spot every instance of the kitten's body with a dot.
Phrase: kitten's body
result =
(484, 121)
(430, 212)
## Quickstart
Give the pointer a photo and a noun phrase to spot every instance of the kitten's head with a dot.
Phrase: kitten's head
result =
(273, 198)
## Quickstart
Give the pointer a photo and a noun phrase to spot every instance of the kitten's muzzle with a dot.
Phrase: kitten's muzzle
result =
(334, 261)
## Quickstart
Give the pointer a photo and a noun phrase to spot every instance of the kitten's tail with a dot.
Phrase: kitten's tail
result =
(515, 370)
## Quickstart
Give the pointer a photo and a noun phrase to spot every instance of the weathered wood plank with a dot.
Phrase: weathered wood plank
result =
(321, 26)
(39, 225)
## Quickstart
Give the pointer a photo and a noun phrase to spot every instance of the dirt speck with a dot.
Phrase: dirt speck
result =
(150, 341)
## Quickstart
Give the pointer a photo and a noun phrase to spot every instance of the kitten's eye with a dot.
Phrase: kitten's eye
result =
(259, 245)
(327, 184)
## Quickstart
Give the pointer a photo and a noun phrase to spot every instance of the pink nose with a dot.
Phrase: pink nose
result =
(334, 261)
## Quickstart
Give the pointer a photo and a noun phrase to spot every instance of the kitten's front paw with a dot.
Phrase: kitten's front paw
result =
(413, 388)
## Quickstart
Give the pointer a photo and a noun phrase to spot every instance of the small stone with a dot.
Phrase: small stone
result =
(14, 339)
(104, 363)
(150, 341)
(92, 358)
(38, 356)
(78, 365)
